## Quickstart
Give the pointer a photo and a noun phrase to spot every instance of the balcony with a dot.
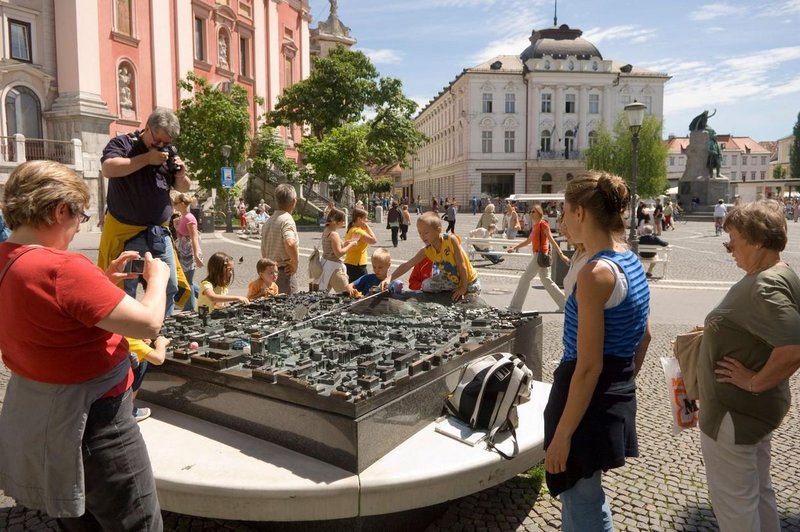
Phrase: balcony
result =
(16, 149)
(559, 155)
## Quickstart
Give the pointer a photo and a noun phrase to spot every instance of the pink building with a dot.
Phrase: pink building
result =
(73, 73)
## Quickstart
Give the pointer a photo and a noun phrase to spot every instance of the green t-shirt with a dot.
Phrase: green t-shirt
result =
(759, 313)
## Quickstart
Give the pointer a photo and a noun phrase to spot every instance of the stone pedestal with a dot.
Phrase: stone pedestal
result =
(695, 181)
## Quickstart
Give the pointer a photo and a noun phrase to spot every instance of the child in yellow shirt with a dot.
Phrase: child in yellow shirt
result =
(142, 354)
(452, 269)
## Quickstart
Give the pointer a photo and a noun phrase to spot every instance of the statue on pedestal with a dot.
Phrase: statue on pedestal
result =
(714, 158)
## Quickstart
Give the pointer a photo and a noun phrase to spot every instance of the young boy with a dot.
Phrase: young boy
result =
(142, 355)
(265, 285)
(381, 262)
(455, 272)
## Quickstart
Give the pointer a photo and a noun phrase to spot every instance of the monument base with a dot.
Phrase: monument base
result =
(709, 191)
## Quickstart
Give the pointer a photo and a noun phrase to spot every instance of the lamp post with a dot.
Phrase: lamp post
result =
(226, 152)
(635, 112)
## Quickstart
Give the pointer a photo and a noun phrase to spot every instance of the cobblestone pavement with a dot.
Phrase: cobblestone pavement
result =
(664, 489)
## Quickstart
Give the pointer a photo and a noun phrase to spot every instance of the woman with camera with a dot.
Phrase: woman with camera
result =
(70, 446)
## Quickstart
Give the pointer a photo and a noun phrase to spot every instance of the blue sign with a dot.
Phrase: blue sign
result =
(226, 174)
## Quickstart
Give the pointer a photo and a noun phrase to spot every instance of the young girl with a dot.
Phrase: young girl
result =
(214, 288)
(187, 243)
(333, 249)
(355, 260)
(589, 421)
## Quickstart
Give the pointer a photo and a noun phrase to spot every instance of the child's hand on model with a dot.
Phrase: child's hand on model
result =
(458, 293)
(161, 342)
(242, 299)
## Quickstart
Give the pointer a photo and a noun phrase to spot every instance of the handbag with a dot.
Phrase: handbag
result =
(543, 259)
(686, 348)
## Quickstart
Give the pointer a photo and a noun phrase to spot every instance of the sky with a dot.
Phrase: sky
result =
(739, 57)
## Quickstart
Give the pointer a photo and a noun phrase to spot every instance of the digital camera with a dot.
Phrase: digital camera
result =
(172, 152)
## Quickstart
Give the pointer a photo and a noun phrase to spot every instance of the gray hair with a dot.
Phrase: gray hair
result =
(285, 195)
(163, 119)
(647, 229)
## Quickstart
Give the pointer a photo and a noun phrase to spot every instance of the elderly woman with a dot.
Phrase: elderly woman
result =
(70, 445)
(750, 348)
(487, 219)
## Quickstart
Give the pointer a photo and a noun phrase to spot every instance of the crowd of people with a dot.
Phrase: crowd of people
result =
(73, 410)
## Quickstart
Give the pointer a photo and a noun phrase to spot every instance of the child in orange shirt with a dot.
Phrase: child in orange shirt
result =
(265, 285)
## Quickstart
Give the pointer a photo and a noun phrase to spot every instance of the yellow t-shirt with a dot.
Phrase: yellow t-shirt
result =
(204, 301)
(138, 348)
(356, 255)
(445, 259)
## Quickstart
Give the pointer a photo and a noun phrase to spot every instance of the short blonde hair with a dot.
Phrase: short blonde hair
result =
(181, 197)
(759, 222)
(34, 190)
(431, 219)
(382, 255)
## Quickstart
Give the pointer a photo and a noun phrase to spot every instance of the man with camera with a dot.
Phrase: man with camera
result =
(141, 168)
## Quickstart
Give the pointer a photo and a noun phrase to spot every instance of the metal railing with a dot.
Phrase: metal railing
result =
(559, 155)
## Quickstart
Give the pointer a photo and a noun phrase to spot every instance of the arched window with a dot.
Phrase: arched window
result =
(545, 141)
(126, 78)
(23, 113)
(569, 143)
(547, 180)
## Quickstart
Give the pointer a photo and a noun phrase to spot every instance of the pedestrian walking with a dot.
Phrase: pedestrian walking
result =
(393, 220)
(450, 214)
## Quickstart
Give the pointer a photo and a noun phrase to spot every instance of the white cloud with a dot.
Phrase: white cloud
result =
(697, 85)
(716, 10)
(714, 29)
(627, 33)
(382, 55)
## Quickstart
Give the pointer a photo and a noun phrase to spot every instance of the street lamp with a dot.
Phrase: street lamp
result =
(226, 152)
(635, 112)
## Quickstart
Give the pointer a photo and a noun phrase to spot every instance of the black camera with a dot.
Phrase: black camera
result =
(135, 266)
(172, 152)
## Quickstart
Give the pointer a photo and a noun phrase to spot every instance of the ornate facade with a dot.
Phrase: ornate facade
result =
(519, 124)
(80, 71)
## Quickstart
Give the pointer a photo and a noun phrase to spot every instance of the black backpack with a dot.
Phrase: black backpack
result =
(487, 395)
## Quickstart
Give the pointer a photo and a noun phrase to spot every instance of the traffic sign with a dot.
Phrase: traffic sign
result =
(226, 175)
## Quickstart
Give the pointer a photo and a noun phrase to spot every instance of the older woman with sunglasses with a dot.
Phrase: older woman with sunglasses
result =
(68, 442)
(750, 348)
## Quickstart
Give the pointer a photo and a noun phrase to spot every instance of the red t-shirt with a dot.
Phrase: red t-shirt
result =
(539, 241)
(51, 301)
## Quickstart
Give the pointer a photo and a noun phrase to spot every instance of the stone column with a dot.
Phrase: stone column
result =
(534, 111)
(558, 113)
(583, 127)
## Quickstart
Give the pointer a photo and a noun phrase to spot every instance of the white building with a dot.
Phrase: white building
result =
(520, 124)
(744, 161)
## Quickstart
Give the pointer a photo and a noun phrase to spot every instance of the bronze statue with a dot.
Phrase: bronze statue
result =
(700, 122)
(714, 159)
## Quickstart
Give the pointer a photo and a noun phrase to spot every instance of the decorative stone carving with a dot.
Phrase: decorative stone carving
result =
(222, 52)
(126, 99)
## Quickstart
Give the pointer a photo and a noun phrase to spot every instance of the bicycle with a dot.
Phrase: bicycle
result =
(717, 226)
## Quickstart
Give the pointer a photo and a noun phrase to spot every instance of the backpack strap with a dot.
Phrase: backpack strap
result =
(493, 435)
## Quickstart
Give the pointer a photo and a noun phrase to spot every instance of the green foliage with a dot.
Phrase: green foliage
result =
(779, 172)
(794, 151)
(340, 157)
(536, 477)
(613, 153)
(268, 153)
(209, 119)
(333, 101)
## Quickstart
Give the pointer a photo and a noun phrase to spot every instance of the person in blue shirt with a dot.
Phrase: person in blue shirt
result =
(381, 262)
(590, 417)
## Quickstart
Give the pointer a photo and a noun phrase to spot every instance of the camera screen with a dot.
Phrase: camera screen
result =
(135, 266)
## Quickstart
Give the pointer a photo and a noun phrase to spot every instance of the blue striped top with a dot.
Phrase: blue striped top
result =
(625, 323)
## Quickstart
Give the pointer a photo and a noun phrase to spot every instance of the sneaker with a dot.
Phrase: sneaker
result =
(648, 275)
(140, 414)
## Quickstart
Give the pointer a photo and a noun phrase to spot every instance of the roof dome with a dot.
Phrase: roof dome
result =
(559, 43)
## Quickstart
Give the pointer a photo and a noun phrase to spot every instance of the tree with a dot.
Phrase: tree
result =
(209, 119)
(794, 151)
(779, 172)
(612, 153)
(333, 101)
(268, 153)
